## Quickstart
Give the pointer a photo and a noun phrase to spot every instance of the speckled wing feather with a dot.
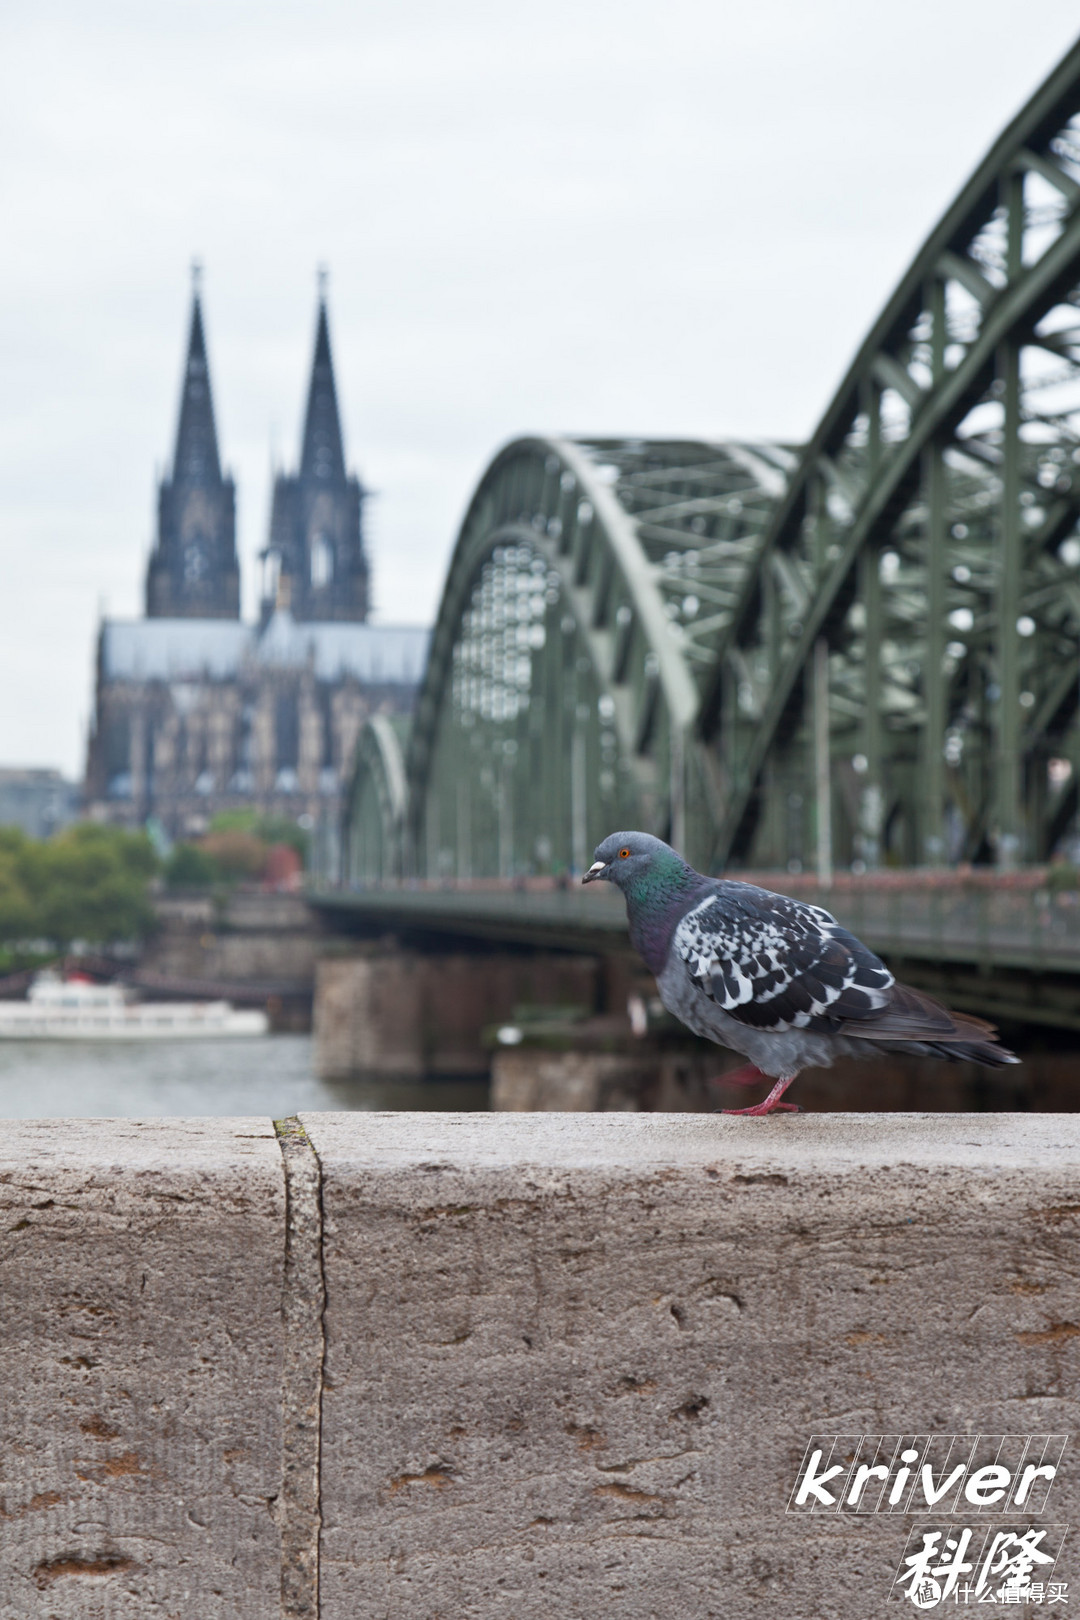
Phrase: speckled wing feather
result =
(775, 963)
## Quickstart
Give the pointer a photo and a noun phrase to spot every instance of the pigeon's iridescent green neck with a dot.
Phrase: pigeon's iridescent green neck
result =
(656, 898)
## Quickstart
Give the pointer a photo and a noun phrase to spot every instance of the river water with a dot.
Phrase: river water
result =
(274, 1075)
(146, 1079)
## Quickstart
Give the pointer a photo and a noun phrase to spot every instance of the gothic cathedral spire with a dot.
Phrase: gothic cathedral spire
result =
(193, 571)
(322, 455)
(315, 560)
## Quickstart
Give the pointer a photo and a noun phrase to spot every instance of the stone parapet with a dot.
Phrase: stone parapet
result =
(550, 1365)
(141, 1345)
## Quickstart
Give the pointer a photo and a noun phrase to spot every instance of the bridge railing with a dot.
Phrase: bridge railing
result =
(1024, 919)
(1021, 921)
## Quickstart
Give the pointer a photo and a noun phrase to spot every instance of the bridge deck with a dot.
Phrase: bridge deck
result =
(570, 918)
(995, 924)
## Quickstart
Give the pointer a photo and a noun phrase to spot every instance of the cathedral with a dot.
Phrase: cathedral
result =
(197, 712)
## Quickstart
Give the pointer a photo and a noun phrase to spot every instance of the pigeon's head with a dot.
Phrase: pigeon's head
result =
(637, 863)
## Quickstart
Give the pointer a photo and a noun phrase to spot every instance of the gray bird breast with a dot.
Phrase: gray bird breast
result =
(782, 1053)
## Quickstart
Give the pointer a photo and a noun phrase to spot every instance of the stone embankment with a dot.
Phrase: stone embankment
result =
(255, 948)
(541, 1366)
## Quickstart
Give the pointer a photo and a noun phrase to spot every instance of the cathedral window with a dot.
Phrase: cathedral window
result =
(271, 575)
(195, 564)
(322, 562)
(287, 731)
(117, 752)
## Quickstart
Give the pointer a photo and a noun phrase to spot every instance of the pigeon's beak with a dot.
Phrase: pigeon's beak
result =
(598, 869)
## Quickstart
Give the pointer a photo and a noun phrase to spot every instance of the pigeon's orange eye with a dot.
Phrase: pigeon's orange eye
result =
(623, 853)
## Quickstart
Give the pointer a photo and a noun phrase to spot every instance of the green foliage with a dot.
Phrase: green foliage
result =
(269, 829)
(189, 868)
(89, 882)
(16, 959)
(236, 849)
(238, 856)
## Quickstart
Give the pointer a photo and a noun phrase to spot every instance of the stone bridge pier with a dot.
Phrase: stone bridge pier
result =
(388, 1009)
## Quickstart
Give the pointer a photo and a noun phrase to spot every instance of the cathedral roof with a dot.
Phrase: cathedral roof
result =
(219, 649)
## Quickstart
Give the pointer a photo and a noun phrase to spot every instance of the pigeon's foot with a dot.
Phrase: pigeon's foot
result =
(772, 1103)
(748, 1075)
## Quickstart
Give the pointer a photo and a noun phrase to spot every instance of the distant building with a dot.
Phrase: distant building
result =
(39, 802)
(315, 558)
(193, 571)
(195, 711)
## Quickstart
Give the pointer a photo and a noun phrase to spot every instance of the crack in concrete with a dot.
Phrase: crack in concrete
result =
(303, 1310)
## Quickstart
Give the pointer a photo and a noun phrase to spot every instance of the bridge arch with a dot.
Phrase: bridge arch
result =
(586, 586)
(375, 800)
(899, 676)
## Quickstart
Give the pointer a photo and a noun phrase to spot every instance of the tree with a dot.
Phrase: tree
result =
(88, 882)
(16, 906)
(271, 829)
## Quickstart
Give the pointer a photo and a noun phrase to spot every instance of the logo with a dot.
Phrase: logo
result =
(978, 1493)
(985, 1474)
(998, 1565)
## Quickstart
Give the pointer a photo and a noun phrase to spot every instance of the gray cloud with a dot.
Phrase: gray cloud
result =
(576, 217)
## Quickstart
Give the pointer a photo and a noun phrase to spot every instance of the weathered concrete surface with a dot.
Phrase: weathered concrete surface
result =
(303, 1305)
(140, 1341)
(573, 1360)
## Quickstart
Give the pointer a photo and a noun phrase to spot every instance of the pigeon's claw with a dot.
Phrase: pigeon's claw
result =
(771, 1105)
(760, 1108)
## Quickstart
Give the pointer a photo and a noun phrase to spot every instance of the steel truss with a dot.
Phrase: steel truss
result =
(900, 675)
(863, 651)
(585, 593)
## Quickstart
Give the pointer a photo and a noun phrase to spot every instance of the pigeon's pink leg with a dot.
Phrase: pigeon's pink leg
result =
(772, 1103)
(748, 1075)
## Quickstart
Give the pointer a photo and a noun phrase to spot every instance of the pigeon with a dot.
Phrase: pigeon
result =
(774, 978)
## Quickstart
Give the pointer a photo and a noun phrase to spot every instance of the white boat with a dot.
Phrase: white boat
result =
(75, 1009)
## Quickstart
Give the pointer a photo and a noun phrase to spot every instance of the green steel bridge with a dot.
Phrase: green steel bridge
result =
(853, 655)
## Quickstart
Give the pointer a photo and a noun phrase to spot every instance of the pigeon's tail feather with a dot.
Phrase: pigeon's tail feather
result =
(989, 1053)
(910, 1016)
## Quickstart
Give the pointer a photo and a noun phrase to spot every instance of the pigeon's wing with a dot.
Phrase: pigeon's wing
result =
(775, 963)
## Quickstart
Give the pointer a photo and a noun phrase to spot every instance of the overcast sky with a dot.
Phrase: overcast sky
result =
(674, 218)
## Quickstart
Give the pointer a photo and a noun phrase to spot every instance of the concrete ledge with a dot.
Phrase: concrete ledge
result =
(573, 1361)
(140, 1340)
(563, 1364)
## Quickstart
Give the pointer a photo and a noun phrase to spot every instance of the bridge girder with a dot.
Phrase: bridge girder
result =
(899, 674)
(585, 590)
(563, 682)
